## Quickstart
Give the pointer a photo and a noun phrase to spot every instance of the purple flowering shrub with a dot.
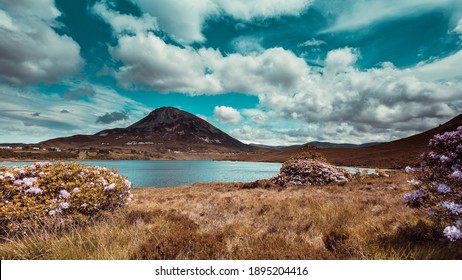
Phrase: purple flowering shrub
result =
(45, 195)
(310, 169)
(438, 182)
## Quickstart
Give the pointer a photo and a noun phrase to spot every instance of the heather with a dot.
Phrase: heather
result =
(363, 219)
(438, 183)
(57, 197)
(310, 169)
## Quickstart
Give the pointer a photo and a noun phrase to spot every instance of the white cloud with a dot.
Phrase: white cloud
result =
(247, 10)
(273, 135)
(383, 97)
(340, 60)
(248, 134)
(122, 23)
(377, 98)
(353, 14)
(274, 69)
(313, 42)
(17, 107)
(44, 10)
(6, 22)
(255, 115)
(378, 104)
(150, 62)
(184, 19)
(446, 68)
(247, 45)
(458, 29)
(227, 115)
(30, 50)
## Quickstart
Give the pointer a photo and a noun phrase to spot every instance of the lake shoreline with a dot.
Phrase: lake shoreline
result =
(164, 159)
(172, 173)
(147, 173)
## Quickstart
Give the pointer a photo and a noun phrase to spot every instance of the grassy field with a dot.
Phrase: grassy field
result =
(364, 219)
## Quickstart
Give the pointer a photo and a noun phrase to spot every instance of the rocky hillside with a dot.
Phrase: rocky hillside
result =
(164, 129)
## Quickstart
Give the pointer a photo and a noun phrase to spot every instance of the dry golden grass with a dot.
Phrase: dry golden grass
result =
(365, 219)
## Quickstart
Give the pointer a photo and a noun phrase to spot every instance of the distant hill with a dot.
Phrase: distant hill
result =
(317, 144)
(394, 154)
(276, 148)
(164, 129)
(340, 145)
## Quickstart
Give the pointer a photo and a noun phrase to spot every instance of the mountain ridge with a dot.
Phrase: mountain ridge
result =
(170, 133)
(164, 129)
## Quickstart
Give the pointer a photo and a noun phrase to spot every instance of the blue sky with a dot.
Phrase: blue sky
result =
(265, 71)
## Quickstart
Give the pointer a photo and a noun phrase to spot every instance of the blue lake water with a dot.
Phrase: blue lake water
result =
(168, 173)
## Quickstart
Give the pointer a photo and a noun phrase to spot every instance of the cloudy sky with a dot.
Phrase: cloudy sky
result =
(265, 71)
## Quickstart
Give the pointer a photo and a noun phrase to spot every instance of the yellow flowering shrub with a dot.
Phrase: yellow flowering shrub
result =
(58, 196)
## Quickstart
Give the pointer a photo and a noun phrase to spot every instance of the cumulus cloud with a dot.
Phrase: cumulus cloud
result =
(379, 99)
(227, 115)
(112, 117)
(30, 49)
(149, 61)
(269, 135)
(383, 97)
(340, 60)
(189, 16)
(256, 135)
(255, 115)
(168, 68)
(122, 23)
(377, 104)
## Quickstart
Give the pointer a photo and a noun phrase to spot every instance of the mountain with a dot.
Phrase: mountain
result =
(394, 154)
(164, 130)
(171, 124)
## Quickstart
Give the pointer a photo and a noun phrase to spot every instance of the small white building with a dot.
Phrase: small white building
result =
(5, 147)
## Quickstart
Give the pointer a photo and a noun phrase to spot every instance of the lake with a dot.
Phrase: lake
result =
(169, 173)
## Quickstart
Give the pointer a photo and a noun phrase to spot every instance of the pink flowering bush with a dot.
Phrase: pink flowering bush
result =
(45, 195)
(310, 170)
(438, 182)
